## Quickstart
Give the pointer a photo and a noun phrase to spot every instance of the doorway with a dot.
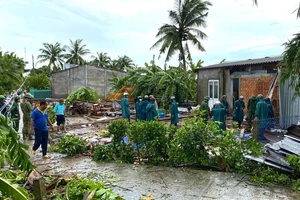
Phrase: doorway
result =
(235, 89)
(213, 92)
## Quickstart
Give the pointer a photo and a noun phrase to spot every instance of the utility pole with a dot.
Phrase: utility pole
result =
(32, 62)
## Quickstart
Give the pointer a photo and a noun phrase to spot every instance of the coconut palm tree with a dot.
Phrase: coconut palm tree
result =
(125, 62)
(53, 54)
(75, 52)
(186, 19)
(102, 60)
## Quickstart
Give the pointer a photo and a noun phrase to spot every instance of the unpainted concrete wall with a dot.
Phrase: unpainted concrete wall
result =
(66, 81)
(204, 75)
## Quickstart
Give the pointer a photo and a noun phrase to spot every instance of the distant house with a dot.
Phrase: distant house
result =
(246, 78)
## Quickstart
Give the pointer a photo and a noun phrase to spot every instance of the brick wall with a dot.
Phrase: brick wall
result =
(257, 84)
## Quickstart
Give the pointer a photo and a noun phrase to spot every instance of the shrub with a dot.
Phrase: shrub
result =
(103, 153)
(71, 145)
(84, 94)
(189, 145)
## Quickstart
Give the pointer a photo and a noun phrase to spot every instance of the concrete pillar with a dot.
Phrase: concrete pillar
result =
(255, 130)
(39, 188)
(226, 88)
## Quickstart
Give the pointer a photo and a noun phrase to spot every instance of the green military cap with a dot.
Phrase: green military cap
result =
(17, 97)
(28, 96)
(2, 97)
(207, 98)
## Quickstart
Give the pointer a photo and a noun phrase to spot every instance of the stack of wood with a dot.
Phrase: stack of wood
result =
(119, 95)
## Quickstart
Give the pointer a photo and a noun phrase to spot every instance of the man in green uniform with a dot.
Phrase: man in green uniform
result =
(270, 114)
(219, 115)
(251, 106)
(15, 113)
(174, 111)
(138, 110)
(261, 112)
(238, 114)
(204, 108)
(224, 101)
(26, 109)
(2, 105)
(151, 110)
(125, 107)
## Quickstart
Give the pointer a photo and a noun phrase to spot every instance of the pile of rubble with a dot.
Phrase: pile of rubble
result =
(284, 143)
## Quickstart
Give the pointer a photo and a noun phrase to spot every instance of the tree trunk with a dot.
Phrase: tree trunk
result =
(183, 56)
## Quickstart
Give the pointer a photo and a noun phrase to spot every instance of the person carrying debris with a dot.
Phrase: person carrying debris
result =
(261, 113)
(224, 101)
(144, 104)
(251, 106)
(219, 115)
(238, 114)
(125, 107)
(151, 110)
(138, 111)
(205, 110)
(59, 114)
(2, 105)
(26, 109)
(270, 114)
(174, 111)
(15, 113)
(39, 120)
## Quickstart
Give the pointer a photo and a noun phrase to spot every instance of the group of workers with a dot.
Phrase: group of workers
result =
(35, 119)
(257, 107)
(147, 109)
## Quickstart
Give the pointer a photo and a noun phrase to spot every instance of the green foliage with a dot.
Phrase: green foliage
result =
(186, 20)
(103, 153)
(71, 145)
(75, 52)
(83, 94)
(38, 81)
(12, 150)
(294, 160)
(11, 71)
(152, 140)
(189, 145)
(51, 116)
(296, 185)
(118, 83)
(269, 176)
(77, 187)
(9, 185)
(53, 54)
(118, 130)
(291, 65)
(229, 152)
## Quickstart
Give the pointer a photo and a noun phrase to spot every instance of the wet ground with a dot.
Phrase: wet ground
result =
(132, 181)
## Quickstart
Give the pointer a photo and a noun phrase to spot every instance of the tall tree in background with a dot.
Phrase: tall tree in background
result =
(101, 60)
(75, 52)
(125, 62)
(186, 19)
(53, 54)
(11, 71)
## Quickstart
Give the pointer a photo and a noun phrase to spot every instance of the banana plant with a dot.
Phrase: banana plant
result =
(12, 150)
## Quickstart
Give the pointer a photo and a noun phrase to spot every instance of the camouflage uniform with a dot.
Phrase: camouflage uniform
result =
(26, 109)
(15, 115)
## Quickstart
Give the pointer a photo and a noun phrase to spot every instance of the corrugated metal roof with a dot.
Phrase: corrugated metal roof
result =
(244, 62)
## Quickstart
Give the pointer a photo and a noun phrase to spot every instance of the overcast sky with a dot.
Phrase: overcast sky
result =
(236, 29)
